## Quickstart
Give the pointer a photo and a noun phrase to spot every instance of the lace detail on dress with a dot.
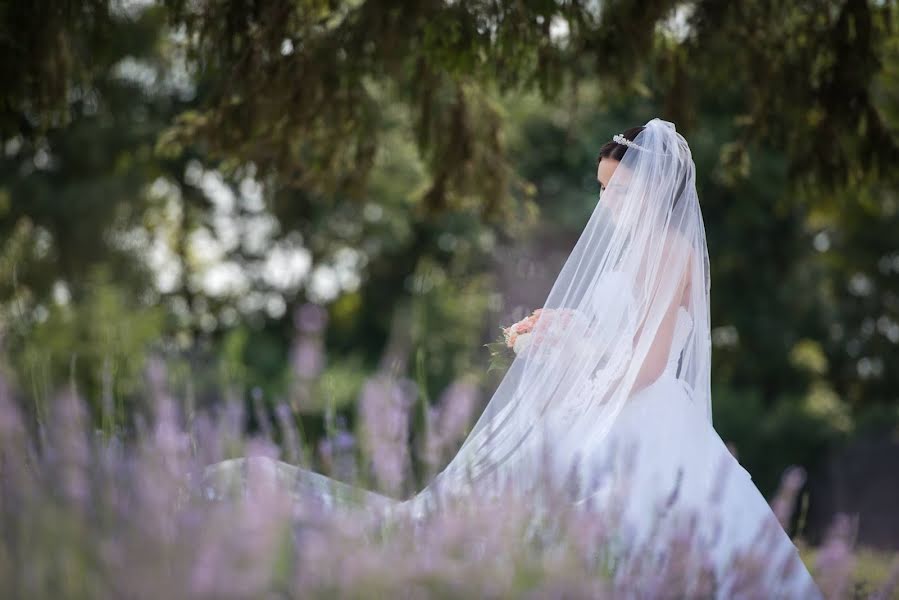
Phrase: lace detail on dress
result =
(615, 295)
(595, 385)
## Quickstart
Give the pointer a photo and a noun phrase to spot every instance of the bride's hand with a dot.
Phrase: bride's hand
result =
(555, 326)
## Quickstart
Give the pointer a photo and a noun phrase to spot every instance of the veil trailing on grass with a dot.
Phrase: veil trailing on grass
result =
(619, 358)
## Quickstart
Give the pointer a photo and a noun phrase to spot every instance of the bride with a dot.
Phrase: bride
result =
(617, 378)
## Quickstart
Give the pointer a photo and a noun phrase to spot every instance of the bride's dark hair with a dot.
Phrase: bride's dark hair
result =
(616, 151)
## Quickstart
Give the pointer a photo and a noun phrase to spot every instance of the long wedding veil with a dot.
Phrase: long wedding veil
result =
(610, 328)
(605, 330)
(605, 333)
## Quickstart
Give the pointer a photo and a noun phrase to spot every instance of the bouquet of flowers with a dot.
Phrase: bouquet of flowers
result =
(516, 338)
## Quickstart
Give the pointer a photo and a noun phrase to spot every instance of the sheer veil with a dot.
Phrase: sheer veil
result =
(605, 333)
(605, 330)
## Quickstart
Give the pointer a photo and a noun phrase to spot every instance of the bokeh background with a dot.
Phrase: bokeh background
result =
(280, 200)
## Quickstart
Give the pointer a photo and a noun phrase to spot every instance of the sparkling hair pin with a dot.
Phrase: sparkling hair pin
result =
(620, 139)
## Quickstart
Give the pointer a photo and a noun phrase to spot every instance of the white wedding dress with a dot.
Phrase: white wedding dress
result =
(662, 442)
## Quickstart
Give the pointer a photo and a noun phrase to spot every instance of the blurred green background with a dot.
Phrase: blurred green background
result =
(191, 180)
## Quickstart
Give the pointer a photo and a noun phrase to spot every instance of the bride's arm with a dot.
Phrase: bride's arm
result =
(657, 356)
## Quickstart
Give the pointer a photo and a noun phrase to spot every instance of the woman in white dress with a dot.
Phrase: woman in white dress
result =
(615, 386)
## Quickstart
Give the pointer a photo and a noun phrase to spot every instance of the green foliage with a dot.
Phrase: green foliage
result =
(448, 311)
(98, 344)
(338, 387)
(500, 355)
(48, 48)
(768, 441)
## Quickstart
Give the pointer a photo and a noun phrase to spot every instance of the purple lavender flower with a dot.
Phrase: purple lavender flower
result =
(384, 407)
(834, 562)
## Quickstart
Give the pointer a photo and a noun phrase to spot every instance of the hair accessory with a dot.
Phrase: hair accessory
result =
(620, 139)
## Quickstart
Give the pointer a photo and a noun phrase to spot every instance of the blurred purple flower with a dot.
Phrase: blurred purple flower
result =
(307, 357)
(310, 318)
(449, 420)
(338, 453)
(834, 562)
(784, 501)
(384, 407)
(70, 452)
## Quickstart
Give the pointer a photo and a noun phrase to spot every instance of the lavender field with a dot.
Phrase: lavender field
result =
(84, 514)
